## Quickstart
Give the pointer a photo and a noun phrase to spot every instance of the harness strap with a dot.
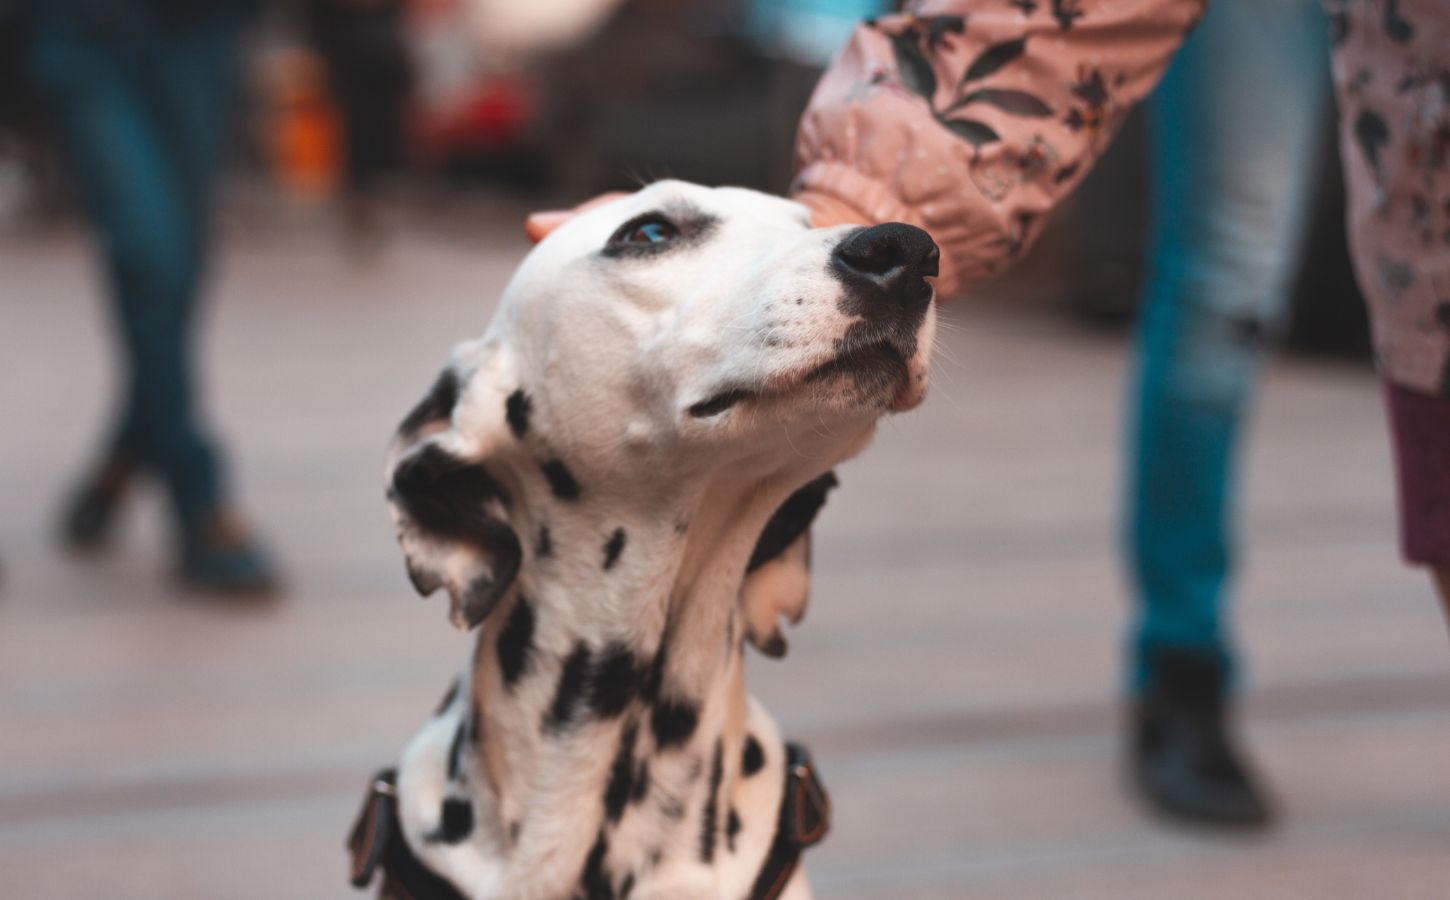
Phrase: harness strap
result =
(377, 841)
(805, 817)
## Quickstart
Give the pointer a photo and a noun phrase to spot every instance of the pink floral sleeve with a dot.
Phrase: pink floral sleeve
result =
(973, 119)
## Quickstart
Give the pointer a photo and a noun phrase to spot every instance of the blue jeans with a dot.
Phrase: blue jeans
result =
(1236, 127)
(142, 115)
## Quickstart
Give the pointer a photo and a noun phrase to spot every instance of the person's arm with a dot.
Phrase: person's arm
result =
(974, 125)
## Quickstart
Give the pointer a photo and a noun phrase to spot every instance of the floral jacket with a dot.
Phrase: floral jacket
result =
(973, 118)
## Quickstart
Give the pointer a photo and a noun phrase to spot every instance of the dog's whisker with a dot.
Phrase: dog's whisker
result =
(790, 441)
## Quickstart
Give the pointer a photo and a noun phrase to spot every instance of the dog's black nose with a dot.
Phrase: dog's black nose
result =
(889, 261)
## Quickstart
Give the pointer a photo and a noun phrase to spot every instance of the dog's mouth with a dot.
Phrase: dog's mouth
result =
(872, 362)
(875, 369)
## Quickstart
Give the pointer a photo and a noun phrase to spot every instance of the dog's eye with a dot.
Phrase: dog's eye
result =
(642, 232)
(653, 233)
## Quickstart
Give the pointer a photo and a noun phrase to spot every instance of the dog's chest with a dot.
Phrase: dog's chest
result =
(558, 777)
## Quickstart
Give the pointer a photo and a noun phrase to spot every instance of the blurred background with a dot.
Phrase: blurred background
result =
(958, 677)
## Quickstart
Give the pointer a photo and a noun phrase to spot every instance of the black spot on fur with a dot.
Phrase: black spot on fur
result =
(448, 698)
(455, 822)
(515, 641)
(752, 760)
(561, 480)
(594, 882)
(515, 830)
(517, 409)
(544, 546)
(655, 678)
(673, 722)
(613, 548)
(641, 782)
(573, 681)
(732, 828)
(791, 521)
(713, 406)
(475, 724)
(436, 405)
(710, 816)
(455, 751)
(626, 887)
(446, 497)
(621, 775)
(614, 680)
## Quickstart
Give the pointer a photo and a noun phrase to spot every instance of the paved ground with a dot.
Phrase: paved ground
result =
(956, 675)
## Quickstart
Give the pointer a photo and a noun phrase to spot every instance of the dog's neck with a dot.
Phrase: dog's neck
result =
(614, 676)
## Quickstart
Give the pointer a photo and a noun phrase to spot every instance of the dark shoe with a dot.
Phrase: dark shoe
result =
(1184, 762)
(87, 524)
(223, 557)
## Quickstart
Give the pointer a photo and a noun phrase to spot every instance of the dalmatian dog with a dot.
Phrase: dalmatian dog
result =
(613, 486)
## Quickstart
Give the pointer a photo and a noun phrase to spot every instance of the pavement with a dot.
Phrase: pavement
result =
(957, 676)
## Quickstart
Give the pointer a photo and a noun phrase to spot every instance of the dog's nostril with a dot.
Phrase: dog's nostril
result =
(932, 261)
(889, 253)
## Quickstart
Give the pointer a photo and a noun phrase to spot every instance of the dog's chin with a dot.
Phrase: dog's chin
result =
(875, 377)
(911, 390)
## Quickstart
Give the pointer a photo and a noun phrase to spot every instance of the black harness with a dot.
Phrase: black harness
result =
(377, 841)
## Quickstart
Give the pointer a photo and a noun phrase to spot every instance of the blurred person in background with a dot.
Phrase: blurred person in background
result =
(140, 95)
(975, 128)
(1235, 126)
(973, 122)
(370, 78)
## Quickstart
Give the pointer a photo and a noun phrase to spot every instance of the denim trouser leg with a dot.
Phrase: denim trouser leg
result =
(1235, 126)
(143, 121)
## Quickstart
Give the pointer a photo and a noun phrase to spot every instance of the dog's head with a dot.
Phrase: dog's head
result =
(675, 335)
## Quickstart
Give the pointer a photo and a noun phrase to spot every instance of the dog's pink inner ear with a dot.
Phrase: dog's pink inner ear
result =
(450, 515)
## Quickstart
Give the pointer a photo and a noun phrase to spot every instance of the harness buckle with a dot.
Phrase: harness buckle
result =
(374, 828)
(807, 806)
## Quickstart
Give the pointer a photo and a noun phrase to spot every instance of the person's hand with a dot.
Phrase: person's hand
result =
(827, 210)
(538, 225)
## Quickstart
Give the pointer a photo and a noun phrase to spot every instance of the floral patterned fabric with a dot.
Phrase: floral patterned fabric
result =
(973, 118)
(1392, 75)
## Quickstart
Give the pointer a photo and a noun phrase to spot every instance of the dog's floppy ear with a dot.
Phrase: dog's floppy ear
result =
(778, 576)
(449, 509)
